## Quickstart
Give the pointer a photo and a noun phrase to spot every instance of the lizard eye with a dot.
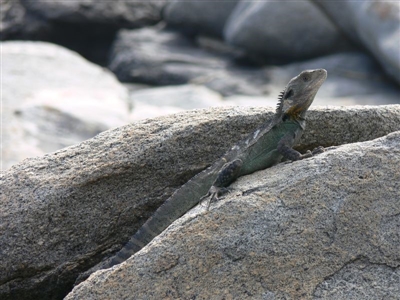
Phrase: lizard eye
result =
(306, 78)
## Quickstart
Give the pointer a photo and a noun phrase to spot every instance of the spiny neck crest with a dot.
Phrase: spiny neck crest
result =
(280, 101)
(293, 113)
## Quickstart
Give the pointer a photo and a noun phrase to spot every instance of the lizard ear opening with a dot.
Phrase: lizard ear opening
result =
(288, 94)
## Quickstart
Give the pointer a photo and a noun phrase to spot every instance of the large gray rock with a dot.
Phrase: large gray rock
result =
(195, 16)
(287, 30)
(117, 13)
(163, 57)
(362, 279)
(63, 212)
(85, 26)
(374, 24)
(17, 23)
(53, 98)
(321, 228)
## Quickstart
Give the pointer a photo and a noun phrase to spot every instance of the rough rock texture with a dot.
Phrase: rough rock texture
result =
(374, 24)
(163, 57)
(361, 279)
(63, 212)
(332, 229)
(286, 30)
(53, 98)
(117, 13)
(195, 16)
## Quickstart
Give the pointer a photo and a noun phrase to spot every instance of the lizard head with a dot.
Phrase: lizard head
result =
(300, 92)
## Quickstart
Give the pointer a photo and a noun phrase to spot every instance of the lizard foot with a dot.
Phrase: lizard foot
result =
(214, 194)
(309, 153)
(318, 150)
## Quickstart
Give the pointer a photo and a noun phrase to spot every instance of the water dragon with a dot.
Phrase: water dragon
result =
(268, 145)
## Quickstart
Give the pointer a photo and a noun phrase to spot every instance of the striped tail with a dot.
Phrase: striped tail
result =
(173, 208)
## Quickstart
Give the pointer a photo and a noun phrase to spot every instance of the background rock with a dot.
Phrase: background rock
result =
(117, 13)
(85, 26)
(17, 23)
(374, 24)
(52, 98)
(196, 16)
(150, 55)
(82, 203)
(172, 100)
(352, 75)
(163, 57)
(279, 236)
(285, 30)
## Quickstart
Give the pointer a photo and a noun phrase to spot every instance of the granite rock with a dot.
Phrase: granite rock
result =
(65, 211)
(330, 231)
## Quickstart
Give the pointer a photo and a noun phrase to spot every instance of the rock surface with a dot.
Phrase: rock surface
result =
(18, 23)
(330, 230)
(352, 75)
(374, 24)
(265, 28)
(63, 212)
(117, 13)
(171, 100)
(85, 26)
(196, 16)
(362, 280)
(163, 57)
(52, 98)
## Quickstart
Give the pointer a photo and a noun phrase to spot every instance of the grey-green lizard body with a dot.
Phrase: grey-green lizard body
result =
(265, 147)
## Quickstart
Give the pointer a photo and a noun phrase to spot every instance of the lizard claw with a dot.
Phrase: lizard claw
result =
(318, 150)
(306, 155)
(213, 194)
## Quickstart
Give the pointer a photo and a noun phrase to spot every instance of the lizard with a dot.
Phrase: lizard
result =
(268, 145)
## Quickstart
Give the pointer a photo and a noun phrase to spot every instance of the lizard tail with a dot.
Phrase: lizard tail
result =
(173, 208)
(161, 219)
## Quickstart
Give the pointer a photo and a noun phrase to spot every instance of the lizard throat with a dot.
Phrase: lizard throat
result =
(295, 113)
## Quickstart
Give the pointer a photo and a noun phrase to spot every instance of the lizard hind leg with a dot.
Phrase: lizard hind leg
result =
(228, 173)
(213, 194)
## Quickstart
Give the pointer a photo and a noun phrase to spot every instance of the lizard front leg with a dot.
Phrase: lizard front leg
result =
(284, 147)
(228, 173)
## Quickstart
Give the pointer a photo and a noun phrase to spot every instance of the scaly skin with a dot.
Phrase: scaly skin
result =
(265, 147)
